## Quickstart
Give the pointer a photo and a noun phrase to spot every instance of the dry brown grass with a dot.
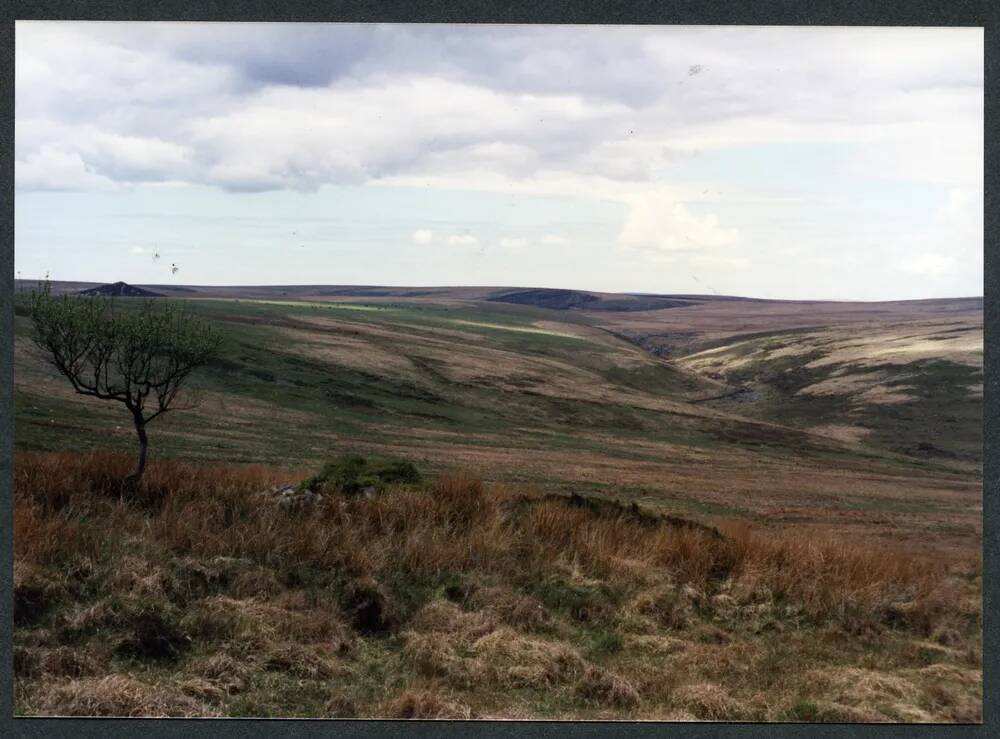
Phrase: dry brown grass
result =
(471, 648)
(709, 702)
(425, 704)
(116, 695)
(60, 661)
(522, 612)
(250, 597)
(607, 688)
(66, 504)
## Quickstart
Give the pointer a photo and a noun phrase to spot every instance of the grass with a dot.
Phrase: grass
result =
(846, 585)
(934, 394)
(348, 400)
(447, 597)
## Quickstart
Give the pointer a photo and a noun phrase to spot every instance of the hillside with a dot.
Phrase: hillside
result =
(580, 400)
(665, 513)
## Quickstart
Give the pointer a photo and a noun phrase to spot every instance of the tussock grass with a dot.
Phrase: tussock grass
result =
(451, 598)
(119, 696)
(426, 704)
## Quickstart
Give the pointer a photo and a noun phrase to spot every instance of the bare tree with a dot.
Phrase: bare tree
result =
(139, 355)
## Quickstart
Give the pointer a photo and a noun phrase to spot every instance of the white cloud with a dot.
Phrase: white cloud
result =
(273, 107)
(462, 240)
(661, 258)
(518, 242)
(655, 221)
(50, 168)
(423, 236)
(554, 240)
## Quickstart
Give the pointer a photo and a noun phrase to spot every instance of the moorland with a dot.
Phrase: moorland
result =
(656, 506)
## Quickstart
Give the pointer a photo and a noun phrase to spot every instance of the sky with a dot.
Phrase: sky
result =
(774, 162)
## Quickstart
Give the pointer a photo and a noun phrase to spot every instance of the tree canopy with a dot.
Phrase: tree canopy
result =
(136, 354)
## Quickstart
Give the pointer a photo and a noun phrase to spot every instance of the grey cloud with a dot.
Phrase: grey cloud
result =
(600, 62)
(614, 102)
(282, 54)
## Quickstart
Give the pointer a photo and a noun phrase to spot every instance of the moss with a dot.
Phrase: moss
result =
(585, 603)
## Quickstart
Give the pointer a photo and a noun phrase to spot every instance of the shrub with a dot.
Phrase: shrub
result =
(354, 474)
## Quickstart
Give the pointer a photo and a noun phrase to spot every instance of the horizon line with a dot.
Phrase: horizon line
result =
(191, 286)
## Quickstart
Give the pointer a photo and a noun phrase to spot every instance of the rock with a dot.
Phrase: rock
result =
(291, 497)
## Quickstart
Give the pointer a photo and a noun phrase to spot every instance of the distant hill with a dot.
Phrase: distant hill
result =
(730, 311)
(547, 298)
(578, 300)
(121, 290)
(174, 288)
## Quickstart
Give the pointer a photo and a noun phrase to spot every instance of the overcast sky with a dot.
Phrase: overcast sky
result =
(840, 163)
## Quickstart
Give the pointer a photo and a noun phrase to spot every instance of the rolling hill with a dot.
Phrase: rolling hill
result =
(782, 412)
(723, 509)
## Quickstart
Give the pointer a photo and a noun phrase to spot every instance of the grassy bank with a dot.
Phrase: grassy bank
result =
(452, 598)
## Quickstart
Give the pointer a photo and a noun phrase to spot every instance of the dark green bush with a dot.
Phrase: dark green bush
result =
(353, 474)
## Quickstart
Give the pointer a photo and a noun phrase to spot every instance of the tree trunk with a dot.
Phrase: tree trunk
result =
(140, 464)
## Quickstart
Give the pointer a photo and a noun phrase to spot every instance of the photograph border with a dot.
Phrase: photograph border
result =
(668, 12)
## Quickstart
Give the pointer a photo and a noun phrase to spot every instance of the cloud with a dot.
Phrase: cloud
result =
(51, 168)
(422, 236)
(253, 107)
(656, 222)
(512, 242)
(604, 125)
